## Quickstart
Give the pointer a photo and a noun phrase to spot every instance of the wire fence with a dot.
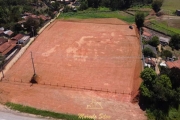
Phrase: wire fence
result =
(68, 86)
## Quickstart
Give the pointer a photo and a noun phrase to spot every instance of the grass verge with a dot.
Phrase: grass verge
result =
(44, 113)
(97, 14)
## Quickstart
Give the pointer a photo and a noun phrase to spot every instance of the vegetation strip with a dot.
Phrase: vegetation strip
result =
(44, 113)
(98, 14)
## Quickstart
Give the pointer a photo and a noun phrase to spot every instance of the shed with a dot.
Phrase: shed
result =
(8, 33)
(164, 41)
(24, 40)
(17, 37)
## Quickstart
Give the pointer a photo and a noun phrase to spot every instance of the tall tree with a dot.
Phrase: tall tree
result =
(156, 5)
(139, 19)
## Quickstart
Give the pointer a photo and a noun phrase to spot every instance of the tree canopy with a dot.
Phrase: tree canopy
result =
(139, 19)
(175, 41)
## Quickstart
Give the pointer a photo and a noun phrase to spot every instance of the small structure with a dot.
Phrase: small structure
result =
(3, 40)
(146, 34)
(178, 12)
(24, 40)
(150, 63)
(8, 33)
(164, 41)
(175, 64)
(17, 37)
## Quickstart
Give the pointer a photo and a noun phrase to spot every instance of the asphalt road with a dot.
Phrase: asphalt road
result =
(11, 116)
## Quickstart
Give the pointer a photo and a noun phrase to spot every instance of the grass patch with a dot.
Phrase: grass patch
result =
(97, 13)
(163, 27)
(171, 5)
(44, 113)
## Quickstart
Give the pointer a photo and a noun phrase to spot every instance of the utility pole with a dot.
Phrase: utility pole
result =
(33, 64)
(32, 30)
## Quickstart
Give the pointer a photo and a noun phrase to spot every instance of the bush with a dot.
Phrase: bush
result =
(154, 41)
(175, 41)
(148, 52)
(166, 53)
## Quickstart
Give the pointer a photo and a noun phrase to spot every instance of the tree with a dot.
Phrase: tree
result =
(139, 19)
(148, 52)
(175, 41)
(84, 5)
(156, 5)
(154, 41)
(166, 53)
(32, 25)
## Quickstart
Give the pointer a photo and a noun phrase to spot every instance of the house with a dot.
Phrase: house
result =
(146, 34)
(8, 33)
(43, 17)
(7, 48)
(17, 37)
(24, 40)
(164, 41)
(3, 40)
(150, 62)
(152, 48)
(178, 12)
(173, 64)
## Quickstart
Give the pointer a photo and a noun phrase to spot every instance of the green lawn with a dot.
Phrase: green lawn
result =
(171, 5)
(100, 13)
(43, 113)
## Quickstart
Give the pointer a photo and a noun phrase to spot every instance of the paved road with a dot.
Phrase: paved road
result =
(12, 116)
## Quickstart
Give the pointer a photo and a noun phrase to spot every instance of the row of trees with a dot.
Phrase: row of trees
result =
(112, 4)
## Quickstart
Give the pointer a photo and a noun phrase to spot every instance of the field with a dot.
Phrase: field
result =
(76, 62)
(171, 5)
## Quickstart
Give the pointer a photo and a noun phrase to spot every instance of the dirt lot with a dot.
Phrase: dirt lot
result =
(102, 55)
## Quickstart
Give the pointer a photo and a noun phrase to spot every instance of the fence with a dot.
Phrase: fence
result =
(68, 86)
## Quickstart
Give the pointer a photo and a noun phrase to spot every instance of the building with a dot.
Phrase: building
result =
(17, 37)
(178, 12)
(164, 41)
(7, 48)
(146, 34)
(173, 64)
(3, 40)
(8, 33)
(24, 40)
(150, 63)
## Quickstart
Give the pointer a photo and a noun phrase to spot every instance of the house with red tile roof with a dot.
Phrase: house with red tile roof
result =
(175, 64)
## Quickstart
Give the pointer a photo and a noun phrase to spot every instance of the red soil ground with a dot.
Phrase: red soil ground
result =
(102, 55)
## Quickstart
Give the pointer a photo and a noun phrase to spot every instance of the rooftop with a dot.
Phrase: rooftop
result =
(175, 64)
(3, 40)
(17, 37)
